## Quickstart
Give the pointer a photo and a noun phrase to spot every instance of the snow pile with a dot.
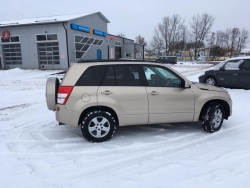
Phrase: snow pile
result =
(36, 152)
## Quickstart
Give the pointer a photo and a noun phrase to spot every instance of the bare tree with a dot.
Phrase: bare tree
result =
(121, 35)
(140, 40)
(234, 34)
(200, 25)
(242, 41)
(169, 30)
(157, 43)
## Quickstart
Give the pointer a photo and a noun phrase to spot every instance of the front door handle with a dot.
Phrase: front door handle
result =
(235, 74)
(154, 93)
(106, 92)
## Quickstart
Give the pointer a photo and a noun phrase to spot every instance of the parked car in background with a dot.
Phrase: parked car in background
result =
(167, 59)
(103, 95)
(234, 73)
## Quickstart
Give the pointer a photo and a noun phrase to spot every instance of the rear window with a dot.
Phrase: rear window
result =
(92, 76)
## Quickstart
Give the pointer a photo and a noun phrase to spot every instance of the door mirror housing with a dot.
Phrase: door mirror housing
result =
(186, 85)
(222, 68)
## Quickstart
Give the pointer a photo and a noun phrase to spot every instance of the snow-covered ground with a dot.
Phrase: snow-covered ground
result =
(36, 152)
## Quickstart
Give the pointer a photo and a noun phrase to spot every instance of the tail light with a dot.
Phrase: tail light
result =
(63, 94)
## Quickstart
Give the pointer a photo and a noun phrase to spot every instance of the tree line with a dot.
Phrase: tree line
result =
(172, 36)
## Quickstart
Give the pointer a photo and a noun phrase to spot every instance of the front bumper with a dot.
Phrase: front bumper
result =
(202, 79)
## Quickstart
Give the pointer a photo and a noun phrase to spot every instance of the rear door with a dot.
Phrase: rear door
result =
(244, 75)
(123, 91)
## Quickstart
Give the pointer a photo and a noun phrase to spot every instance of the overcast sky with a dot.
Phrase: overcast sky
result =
(135, 17)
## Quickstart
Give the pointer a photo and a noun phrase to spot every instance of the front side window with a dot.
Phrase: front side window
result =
(233, 65)
(161, 77)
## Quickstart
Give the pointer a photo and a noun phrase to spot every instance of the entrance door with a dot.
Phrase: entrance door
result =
(99, 54)
(117, 52)
(48, 54)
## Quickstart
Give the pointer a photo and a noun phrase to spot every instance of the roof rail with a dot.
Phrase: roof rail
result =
(111, 60)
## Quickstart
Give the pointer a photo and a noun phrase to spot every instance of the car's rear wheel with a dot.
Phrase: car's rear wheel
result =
(213, 117)
(211, 81)
(52, 85)
(98, 126)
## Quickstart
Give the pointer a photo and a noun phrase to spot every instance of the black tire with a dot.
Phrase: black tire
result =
(209, 80)
(90, 129)
(211, 120)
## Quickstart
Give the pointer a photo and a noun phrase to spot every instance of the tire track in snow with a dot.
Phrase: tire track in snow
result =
(94, 172)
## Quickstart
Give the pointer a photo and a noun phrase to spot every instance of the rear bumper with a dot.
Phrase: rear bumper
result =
(67, 117)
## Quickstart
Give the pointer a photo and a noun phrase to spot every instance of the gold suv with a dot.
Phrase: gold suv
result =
(102, 95)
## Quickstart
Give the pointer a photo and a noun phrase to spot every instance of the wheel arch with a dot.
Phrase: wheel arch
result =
(222, 102)
(92, 108)
(211, 76)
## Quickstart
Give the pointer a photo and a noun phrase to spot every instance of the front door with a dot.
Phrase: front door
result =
(229, 76)
(168, 100)
(123, 91)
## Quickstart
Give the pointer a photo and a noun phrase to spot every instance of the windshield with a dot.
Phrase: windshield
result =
(217, 67)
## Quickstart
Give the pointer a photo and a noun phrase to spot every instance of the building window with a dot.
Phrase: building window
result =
(82, 44)
(48, 53)
(100, 42)
(11, 39)
(46, 37)
(12, 54)
(96, 41)
(128, 55)
(117, 43)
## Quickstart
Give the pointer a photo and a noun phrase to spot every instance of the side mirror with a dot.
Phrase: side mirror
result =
(222, 68)
(186, 85)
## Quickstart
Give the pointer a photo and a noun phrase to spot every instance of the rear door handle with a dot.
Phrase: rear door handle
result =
(154, 93)
(106, 92)
(235, 74)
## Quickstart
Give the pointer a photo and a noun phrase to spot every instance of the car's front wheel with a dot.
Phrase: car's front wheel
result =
(211, 81)
(213, 117)
(98, 126)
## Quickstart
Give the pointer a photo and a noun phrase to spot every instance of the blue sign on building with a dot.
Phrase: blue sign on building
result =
(100, 33)
(80, 28)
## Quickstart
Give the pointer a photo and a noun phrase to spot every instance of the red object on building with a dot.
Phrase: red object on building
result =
(5, 34)
(112, 38)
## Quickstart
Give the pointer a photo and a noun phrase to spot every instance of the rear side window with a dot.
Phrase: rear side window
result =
(109, 79)
(92, 76)
(246, 65)
(122, 75)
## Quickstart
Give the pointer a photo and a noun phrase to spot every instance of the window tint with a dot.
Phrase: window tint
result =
(161, 77)
(52, 37)
(92, 76)
(246, 65)
(14, 39)
(109, 79)
(127, 75)
(233, 65)
(40, 37)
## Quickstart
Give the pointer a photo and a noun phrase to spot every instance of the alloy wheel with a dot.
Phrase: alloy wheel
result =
(99, 127)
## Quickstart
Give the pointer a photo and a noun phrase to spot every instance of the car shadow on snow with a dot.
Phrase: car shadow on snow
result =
(147, 132)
